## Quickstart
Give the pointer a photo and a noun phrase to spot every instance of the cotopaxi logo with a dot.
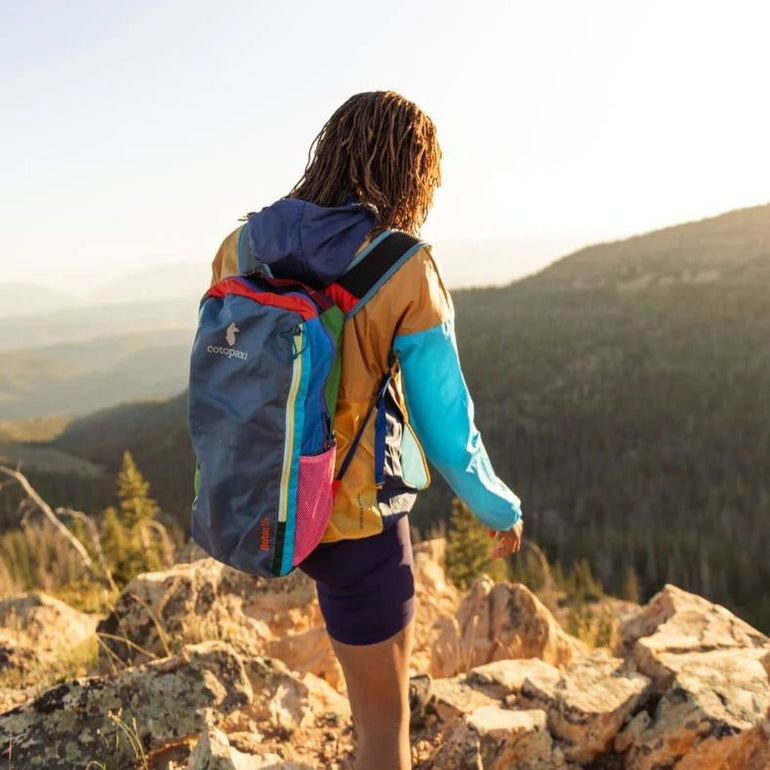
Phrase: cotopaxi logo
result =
(230, 352)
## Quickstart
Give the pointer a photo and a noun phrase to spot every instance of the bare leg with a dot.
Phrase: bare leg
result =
(377, 678)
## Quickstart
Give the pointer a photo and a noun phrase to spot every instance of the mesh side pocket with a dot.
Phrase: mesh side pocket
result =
(314, 501)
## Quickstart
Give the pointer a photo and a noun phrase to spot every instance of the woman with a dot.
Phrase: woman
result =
(374, 167)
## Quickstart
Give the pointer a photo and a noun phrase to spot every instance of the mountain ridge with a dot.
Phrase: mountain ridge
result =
(666, 242)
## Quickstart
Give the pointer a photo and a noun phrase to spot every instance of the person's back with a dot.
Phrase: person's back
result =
(374, 168)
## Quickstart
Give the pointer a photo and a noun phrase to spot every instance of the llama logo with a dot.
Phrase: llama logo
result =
(229, 352)
(232, 330)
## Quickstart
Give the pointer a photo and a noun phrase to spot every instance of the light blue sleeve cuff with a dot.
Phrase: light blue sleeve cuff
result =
(442, 415)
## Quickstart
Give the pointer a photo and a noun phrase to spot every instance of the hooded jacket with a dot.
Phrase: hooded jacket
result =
(429, 410)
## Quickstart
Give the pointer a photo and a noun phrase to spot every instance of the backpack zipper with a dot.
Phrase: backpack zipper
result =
(296, 376)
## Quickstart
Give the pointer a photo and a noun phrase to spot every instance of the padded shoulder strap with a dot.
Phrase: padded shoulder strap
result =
(357, 286)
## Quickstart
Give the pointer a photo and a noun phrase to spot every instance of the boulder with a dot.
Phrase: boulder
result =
(37, 632)
(298, 717)
(187, 603)
(587, 706)
(676, 621)
(710, 671)
(160, 611)
(323, 699)
(281, 699)
(452, 699)
(713, 715)
(214, 752)
(119, 719)
(492, 738)
(498, 621)
(502, 678)
(48, 624)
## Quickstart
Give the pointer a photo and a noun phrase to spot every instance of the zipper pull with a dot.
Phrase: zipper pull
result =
(297, 348)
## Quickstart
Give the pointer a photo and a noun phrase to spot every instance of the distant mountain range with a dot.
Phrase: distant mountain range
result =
(163, 283)
(26, 299)
(66, 356)
(77, 377)
(621, 391)
(470, 262)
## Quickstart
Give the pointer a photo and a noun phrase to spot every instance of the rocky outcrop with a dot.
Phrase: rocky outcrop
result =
(214, 752)
(711, 671)
(18, 660)
(499, 621)
(159, 612)
(453, 699)
(675, 626)
(119, 719)
(714, 715)
(298, 718)
(686, 689)
(587, 705)
(35, 631)
(202, 599)
(506, 677)
(47, 623)
(492, 738)
(689, 690)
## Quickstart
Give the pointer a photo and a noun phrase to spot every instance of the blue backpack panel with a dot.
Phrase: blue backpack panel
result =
(260, 422)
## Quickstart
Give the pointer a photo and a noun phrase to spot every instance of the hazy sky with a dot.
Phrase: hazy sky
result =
(135, 133)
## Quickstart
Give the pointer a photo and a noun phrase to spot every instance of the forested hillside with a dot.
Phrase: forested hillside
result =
(621, 392)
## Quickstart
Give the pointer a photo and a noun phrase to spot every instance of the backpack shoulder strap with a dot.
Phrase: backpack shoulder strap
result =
(354, 288)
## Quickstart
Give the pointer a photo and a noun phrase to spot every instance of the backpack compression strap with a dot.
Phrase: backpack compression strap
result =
(371, 268)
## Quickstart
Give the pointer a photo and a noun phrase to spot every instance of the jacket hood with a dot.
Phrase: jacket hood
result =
(306, 242)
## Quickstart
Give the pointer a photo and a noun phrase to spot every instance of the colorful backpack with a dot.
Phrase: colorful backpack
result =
(264, 375)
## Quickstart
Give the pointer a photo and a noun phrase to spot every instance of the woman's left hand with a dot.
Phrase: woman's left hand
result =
(508, 542)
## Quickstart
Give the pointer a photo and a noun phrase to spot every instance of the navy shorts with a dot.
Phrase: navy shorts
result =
(365, 587)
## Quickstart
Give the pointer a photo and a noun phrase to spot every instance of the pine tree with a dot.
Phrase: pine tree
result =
(128, 542)
(114, 546)
(135, 504)
(467, 549)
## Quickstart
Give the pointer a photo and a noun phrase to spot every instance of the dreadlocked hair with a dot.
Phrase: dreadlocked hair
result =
(381, 150)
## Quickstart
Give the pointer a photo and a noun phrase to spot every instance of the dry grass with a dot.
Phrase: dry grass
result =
(37, 558)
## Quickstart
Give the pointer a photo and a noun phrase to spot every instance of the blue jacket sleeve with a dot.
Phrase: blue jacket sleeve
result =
(441, 412)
